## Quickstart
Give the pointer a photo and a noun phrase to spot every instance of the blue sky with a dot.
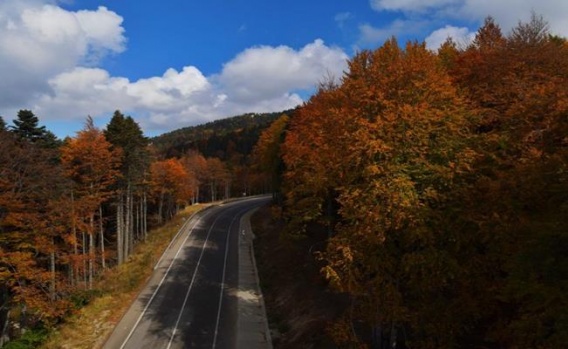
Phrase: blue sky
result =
(176, 63)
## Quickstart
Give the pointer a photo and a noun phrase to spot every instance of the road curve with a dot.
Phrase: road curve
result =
(191, 300)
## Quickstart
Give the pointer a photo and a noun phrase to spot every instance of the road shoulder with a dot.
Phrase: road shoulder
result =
(252, 324)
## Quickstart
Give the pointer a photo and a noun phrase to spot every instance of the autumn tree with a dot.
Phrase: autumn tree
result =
(218, 177)
(318, 135)
(170, 187)
(386, 147)
(447, 174)
(32, 242)
(268, 154)
(196, 166)
(131, 206)
(516, 87)
(92, 165)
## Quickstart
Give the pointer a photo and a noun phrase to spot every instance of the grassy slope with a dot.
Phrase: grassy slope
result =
(116, 290)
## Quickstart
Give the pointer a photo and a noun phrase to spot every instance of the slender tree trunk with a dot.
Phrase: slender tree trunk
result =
(393, 334)
(137, 218)
(227, 189)
(213, 192)
(119, 230)
(102, 234)
(91, 249)
(130, 219)
(160, 207)
(5, 337)
(84, 247)
(128, 224)
(52, 271)
(74, 266)
(144, 215)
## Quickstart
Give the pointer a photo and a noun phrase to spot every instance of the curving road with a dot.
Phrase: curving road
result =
(193, 298)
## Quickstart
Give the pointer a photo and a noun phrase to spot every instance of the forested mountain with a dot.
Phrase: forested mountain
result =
(217, 138)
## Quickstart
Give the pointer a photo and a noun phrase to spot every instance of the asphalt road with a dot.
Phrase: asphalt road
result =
(191, 300)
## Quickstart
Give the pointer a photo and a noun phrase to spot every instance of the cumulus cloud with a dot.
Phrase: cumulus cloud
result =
(506, 13)
(260, 79)
(39, 40)
(462, 36)
(49, 60)
(268, 72)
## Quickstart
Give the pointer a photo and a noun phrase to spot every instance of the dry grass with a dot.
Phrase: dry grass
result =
(118, 287)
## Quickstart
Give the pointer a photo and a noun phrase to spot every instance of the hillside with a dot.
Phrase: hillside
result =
(217, 138)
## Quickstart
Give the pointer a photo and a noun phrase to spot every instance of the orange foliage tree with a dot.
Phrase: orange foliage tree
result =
(447, 175)
(517, 88)
(32, 240)
(196, 166)
(170, 185)
(93, 167)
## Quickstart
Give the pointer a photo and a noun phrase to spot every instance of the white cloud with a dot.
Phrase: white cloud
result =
(342, 17)
(461, 36)
(372, 35)
(39, 40)
(509, 13)
(410, 5)
(49, 58)
(369, 34)
(259, 79)
(506, 13)
(266, 72)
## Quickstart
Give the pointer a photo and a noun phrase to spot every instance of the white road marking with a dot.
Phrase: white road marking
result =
(191, 284)
(223, 277)
(159, 285)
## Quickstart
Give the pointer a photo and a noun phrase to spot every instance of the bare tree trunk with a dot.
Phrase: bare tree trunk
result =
(74, 266)
(213, 191)
(4, 338)
(130, 219)
(160, 208)
(127, 229)
(137, 217)
(119, 231)
(392, 342)
(227, 189)
(102, 234)
(91, 249)
(84, 258)
(144, 215)
(52, 271)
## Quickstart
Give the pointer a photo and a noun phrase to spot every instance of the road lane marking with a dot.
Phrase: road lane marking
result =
(191, 283)
(172, 242)
(223, 277)
(160, 284)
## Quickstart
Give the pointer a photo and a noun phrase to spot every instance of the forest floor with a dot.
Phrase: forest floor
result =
(115, 290)
(299, 304)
